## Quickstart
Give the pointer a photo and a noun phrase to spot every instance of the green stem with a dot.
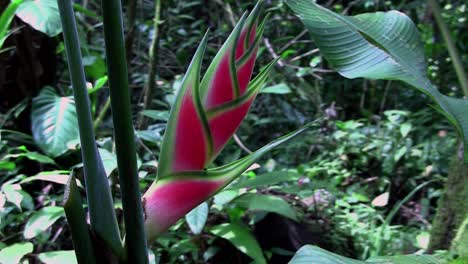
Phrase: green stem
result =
(101, 206)
(123, 131)
(102, 113)
(76, 219)
(6, 17)
(457, 64)
(153, 58)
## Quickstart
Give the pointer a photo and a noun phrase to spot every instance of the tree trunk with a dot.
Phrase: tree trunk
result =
(452, 208)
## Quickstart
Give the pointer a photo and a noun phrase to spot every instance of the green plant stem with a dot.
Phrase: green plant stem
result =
(76, 219)
(123, 131)
(6, 17)
(102, 113)
(457, 64)
(101, 206)
(153, 55)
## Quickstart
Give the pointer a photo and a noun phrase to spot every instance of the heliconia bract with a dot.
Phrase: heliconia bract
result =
(203, 118)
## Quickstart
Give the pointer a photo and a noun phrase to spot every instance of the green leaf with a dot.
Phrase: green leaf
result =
(42, 15)
(60, 177)
(265, 179)
(14, 194)
(311, 254)
(315, 255)
(382, 45)
(14, 253)
(54, 122)
(5, 19)
(42, 220)
(156, 115)
(31, 155)
(267, 203)
(405, 129)
(406, 259)
(280, 88)
(196, 218)
(241, 238)
(62, 256)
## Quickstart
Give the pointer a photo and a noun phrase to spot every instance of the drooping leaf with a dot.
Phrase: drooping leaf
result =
(42, 220)
(314, 255)
(382, 45)
(42, 15)
(5, 19)
(242, 239)
(61, 256)
(267, 203)
(14, 253)
(196, 218)
(54, 122)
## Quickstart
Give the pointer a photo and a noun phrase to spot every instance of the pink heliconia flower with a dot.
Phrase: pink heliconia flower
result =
(203, 118)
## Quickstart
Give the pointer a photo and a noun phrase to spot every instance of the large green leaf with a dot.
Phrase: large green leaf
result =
(54, 122)
(269, 203)
(42, 15)
(242, 239)
(314, 255)
(14, 253)
(42, 220)
(382, 45)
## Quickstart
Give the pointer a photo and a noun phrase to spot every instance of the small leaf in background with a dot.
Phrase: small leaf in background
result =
(405, 129)
(400, 153)
(55, 257)
(156, 115)
(225, 197)
(54, 121)
(280, 88)
(422, 240)
(196, 218)
(14, 194)
(109, 160)
(60, 177)
(268, 203)
(42, 220)
(7, 165)
(242, 239)
(265, 179)
(14, 253)
(381, 200)
(42, 15)
(31, 155)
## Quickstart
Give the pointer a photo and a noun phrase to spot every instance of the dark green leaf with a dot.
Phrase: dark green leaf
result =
(241, 238)
(267, 203)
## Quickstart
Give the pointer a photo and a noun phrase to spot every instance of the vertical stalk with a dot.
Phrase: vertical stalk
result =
(76, 219)
(457, 64)
(123, 131)
(153, 56)
(101, 207)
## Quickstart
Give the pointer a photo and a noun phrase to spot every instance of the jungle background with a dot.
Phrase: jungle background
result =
(380, 175)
